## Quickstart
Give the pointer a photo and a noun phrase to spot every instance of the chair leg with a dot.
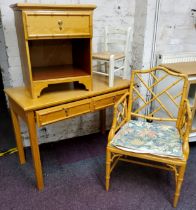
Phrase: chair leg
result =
(108, 169)
(111, 71)
(179, 184)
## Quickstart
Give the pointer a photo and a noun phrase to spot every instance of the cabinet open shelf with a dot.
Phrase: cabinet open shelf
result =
(57, 72)
(60, 60)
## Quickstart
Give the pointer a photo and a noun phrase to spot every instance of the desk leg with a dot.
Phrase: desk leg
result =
(17, 132)
(35, 149)
(102, 114)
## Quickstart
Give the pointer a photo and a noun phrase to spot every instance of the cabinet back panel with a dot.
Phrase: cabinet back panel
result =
(50, 52)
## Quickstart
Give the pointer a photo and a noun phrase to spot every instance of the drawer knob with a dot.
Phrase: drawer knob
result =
(66, 112)
(60, 23)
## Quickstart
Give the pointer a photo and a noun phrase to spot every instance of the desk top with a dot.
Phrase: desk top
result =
(63, 93)
(188, 68)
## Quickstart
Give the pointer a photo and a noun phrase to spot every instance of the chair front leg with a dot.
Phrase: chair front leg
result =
(179, 184)
(108, 168)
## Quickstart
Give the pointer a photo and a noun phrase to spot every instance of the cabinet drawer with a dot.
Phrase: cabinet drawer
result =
(61, 112)
(58, 24)
(107, 99)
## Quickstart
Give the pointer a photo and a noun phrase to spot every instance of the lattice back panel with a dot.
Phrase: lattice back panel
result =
(164, 91)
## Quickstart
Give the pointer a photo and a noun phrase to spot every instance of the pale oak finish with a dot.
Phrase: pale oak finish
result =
(18, 137)
(51, 39)
(126, 113)
(44, 25)
(59, 7)
(63, 102)
(61, 112)
(30, 120)
(188, 68)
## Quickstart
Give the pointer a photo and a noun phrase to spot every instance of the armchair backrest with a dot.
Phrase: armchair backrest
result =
(157, 94)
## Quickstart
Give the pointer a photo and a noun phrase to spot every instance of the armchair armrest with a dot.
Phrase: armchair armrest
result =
(119, 115)
(185, 126)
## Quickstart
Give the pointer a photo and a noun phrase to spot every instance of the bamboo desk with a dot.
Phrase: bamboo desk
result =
(62, 103)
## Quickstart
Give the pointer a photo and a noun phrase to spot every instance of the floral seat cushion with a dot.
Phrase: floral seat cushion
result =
(152, 138)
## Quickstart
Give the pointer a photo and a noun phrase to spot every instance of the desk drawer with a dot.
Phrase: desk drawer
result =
(61, 112)
(53, 24)
(107, 99)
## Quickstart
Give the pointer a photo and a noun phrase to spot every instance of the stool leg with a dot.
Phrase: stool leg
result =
(111, 71)
(126, 69)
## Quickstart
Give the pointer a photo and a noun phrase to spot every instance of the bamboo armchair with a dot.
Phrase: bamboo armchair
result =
(125, 144)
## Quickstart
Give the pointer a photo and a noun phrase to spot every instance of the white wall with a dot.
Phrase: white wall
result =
(176, 29)
(108, 12)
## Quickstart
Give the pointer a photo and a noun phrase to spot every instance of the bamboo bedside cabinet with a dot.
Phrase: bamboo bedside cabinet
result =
(55, 43)
(62, 103)
(188, 68)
